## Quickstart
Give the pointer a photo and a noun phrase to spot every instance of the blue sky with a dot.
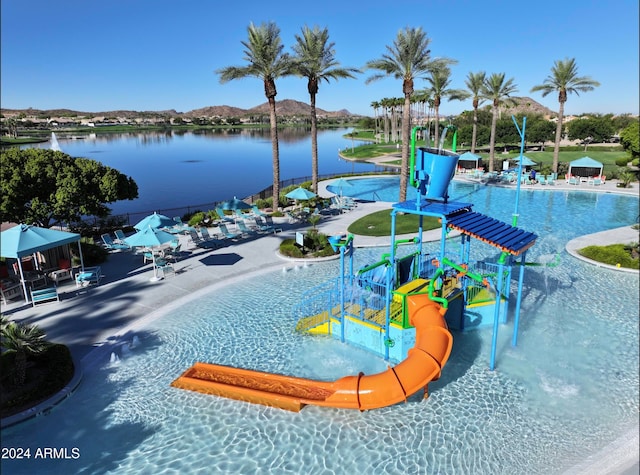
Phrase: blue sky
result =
(158, 54)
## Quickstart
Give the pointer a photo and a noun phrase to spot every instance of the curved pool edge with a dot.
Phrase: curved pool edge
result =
(622, 235)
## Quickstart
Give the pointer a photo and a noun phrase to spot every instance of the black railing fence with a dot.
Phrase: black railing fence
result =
(131, 218)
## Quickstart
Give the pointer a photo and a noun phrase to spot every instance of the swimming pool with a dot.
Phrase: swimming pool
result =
(570, 387)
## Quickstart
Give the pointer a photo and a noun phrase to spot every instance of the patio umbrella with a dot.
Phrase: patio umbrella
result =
(150, 238)
(235, 203)
(526, 161)
(155, 221)
(341, 183)
(300, 194)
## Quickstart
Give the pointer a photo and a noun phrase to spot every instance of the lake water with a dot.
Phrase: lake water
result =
(176, 168)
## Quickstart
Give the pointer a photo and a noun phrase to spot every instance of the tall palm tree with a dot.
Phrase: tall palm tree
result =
(474, 84)
(439, 80)
(498, 91)
(564, 79)
(376, 106)
(266, 61)
(408, 58)
(315, 60)
(23, 340)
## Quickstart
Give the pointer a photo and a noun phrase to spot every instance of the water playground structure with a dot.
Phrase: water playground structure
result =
(401, 307)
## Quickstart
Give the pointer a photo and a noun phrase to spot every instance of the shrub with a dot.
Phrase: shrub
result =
(288, 248)
(622, 161)
(197, 218)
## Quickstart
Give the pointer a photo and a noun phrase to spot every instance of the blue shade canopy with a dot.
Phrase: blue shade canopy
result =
(469, 157)
(23, 240)
(300, 194)
(526, 161)
(585, 166)
(149, 237)
(155, 220)
(235, 203)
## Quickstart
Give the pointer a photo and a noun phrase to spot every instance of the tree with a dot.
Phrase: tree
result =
(263, 52)
(630, 139)
(474, 83)
(48, 187)
(408, 58)
(498, 91)
(591, 129)
(439, 80)
(23, 340)
(564, 80)
(315, 60)
(540, 131)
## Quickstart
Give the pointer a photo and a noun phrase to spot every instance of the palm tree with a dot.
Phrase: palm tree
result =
(564, 79)
(409, 57)
(376, 106)
(439, 80)
(474, 83)
(23, 340)
(497, 90)
(266, 61)
(315, 60)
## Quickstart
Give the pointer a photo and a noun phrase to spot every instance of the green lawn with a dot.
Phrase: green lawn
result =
(379, 224)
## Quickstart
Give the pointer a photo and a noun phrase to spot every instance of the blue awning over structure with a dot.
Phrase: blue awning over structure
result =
(505, 237)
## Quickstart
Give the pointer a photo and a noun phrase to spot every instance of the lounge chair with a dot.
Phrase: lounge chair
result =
(223, 216)
(574, 180)
(542, 180)
(111, 245)
(256, 211)
(225, 231)
(195, 239)
(244, 229)
(208, 239)
(267, 226)
(120, 236)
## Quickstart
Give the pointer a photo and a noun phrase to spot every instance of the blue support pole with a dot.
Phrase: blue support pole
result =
(496, 318)
(516, 321)
(392, 257)
(514, 222)
(342, 294)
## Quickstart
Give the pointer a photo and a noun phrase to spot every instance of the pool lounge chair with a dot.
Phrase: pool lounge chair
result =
(256, 211)
(244, 229)
(111, 245)
(223, 216)
(226, 233)
(120, 236)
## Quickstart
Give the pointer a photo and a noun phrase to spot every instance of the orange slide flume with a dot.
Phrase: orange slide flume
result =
(422, 365)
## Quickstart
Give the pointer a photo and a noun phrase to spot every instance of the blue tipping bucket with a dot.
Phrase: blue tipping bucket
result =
(435, 171)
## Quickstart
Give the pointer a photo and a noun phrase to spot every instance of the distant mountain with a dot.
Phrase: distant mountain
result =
(526, 105)
(284, 107)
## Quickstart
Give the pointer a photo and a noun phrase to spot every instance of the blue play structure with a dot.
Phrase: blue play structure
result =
(368, 307)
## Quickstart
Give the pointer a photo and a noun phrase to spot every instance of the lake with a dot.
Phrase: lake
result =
(194, 169)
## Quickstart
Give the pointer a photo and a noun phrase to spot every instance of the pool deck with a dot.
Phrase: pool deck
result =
(94, 321)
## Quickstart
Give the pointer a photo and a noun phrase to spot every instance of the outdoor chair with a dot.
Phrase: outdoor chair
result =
(120, 236)
(256, 211)
(111, 245)
(244, 229)
(164, 266)
(226, 233)
(89, 276)
(223, 216)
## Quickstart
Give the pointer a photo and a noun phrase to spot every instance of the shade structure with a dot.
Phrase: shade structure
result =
(300, 194)
(23, 240)
(585, 166)
(470, 158)
(526, 161)
(235, 203)
(342, 183)
(155, 221)
(149, 237)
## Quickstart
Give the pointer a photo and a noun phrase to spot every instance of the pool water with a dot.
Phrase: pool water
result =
(569, 388)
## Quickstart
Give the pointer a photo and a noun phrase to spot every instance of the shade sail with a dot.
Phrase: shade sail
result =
(24, 240)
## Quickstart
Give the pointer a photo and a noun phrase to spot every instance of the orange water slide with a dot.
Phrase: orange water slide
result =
(423, 364)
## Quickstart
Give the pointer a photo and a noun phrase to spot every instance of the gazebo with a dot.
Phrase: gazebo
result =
(23, 240)
(585, 167)
(469, 160)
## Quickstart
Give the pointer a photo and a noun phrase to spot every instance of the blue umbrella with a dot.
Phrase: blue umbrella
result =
(341, 183)
(526, 161)
(300, 194)
(235, 203)
(155, 221)
(149, 237)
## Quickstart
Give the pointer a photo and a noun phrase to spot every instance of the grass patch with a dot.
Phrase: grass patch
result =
(379, 224)
(622, 255)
